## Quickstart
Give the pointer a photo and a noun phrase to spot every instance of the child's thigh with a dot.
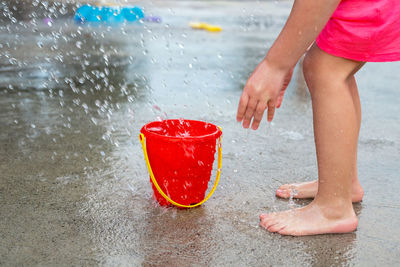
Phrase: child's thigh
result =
(320, 65)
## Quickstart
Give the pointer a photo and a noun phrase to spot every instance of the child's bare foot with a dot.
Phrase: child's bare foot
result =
(311, 220)
(309, 190)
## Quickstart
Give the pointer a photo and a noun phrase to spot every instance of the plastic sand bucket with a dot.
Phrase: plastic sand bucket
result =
(179, 155)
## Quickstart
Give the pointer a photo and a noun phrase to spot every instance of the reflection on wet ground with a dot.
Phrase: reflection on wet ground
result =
(74, 188)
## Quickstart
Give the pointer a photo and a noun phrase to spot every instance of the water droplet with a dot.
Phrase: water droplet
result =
(85, 107)
(93, 120)
(48, 21)
(78, 44)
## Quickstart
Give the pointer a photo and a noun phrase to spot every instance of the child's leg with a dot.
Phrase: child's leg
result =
(336, 126)
(309, 189)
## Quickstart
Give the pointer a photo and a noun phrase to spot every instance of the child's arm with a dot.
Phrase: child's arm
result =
(305, 22)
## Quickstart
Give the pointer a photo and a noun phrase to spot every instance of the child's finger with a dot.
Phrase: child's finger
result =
(271, 110)
(248, 115)
(280, 99)
(242, 106)
(258, 114)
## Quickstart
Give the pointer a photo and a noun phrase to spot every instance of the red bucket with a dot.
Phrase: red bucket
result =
(180, 154)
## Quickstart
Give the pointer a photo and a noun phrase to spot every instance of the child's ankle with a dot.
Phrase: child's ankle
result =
(337, 208)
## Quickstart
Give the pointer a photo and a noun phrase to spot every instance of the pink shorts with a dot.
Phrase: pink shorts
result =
(363, 30)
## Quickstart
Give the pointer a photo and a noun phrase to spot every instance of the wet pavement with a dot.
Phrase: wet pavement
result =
(74, 189)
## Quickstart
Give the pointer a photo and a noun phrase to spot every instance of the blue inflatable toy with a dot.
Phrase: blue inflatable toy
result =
(108, 14)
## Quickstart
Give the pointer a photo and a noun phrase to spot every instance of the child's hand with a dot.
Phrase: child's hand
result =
(267, 84)
(264, 90)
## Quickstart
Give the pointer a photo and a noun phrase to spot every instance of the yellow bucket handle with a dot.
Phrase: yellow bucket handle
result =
(143, 142)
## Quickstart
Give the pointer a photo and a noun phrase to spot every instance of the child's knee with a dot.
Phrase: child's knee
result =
(310, 70)
(318, 72)
(325, 71)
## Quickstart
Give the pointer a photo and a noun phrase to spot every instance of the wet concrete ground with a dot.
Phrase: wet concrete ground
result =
(74, 189)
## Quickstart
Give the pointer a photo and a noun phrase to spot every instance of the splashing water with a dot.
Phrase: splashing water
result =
(291, 203)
